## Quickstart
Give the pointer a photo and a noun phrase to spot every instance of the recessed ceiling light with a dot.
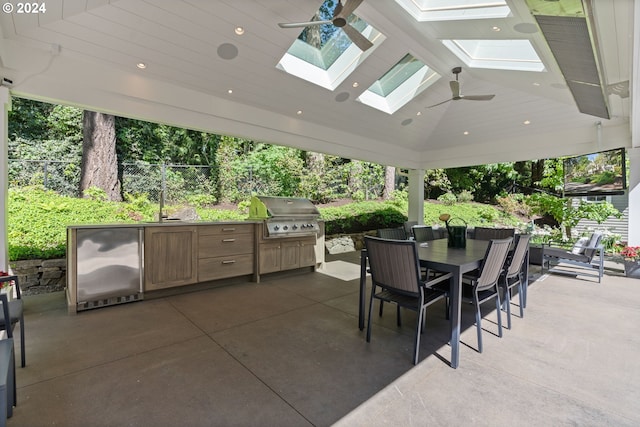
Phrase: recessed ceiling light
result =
(536, 84)
(230, 91)
(299, 112)
(419, 113)
(355, 84)
(466, 132)
(526, 122)
(239, 31)
(141, 65)
(496, 29)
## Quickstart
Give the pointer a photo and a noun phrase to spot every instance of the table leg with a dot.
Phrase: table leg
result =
(456, 307)
(363, 287)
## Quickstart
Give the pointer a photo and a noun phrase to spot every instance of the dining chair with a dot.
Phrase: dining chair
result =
(408, 225)
(422, 233)
(397, 233)
(488, 233)
(512, 275)
(13, 311)
(484, 282)
(395, 270)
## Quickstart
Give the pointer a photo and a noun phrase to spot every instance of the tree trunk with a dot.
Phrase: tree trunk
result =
(99, 158)
(537, 172)
(356, 187)
(389, 182)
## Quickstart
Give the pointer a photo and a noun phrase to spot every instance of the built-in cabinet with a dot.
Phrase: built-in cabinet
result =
(225, 251)
(170, 255)
(287, 254)
(178, 255)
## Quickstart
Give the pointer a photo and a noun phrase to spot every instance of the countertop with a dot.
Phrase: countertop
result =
(165, 223)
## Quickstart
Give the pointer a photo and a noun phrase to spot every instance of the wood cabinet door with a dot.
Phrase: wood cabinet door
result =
(269, 257)
(290, 256)
(170, 257)
(307, 253)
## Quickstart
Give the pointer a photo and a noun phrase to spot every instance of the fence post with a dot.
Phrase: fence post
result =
(163, 182)
(46, 181)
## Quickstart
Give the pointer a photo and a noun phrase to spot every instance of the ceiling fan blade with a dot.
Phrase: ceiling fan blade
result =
(302, 24)
(439, 103)
(357, 38)
(455, 88)
(349, 7)
(477, 97)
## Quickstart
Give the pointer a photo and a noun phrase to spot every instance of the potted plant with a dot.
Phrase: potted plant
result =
(631, 256)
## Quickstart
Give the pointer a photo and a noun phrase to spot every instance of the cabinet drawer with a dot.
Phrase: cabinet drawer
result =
(215, 245)
(223, 267)
(226, 229)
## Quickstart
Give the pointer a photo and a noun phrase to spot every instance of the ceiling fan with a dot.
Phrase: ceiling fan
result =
(339, 20)
(455, 91)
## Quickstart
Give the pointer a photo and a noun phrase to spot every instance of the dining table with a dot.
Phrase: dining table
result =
(437, 255)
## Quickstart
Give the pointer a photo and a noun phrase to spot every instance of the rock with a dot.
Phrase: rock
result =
(340, 245)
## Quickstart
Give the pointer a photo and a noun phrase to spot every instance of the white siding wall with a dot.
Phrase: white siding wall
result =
(615, 225)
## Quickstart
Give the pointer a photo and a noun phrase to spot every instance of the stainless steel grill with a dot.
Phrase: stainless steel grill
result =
(290, 217)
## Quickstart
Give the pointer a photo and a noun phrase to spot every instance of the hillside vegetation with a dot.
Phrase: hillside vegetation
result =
(38, 218)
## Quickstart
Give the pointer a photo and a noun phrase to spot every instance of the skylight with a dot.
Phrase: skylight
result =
(497, 54)
(323, 54)
(453, 10)
(399, 85)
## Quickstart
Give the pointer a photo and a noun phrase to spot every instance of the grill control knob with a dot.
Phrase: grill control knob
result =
(286, 227)
(276, 227)
(295, 227)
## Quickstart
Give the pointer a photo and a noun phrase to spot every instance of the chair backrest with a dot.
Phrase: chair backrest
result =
(493, 264)
(408, 225)
(394, 264)
(515, 264)
(422, 233)
(488, 233)
(594, 241)
(392, 233)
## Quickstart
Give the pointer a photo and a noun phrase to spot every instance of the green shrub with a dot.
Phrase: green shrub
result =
(361, 216)
(448, 199)
(465, 196)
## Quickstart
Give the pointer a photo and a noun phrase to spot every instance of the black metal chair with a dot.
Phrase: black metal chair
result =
(583, 258)
(395, 269)
(392, 233)
(13, 311)
(484, 282)
(512, 275)
(489, 233)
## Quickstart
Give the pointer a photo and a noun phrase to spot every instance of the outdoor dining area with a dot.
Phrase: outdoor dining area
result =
(291, 350)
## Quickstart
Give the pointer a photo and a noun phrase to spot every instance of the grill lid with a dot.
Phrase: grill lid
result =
(288, 207)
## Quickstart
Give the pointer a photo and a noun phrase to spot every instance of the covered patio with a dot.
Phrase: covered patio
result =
(288, 351)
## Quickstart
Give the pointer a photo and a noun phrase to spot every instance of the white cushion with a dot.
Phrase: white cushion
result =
(580, 245)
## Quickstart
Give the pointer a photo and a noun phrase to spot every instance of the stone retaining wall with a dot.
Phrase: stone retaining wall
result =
(38, 276)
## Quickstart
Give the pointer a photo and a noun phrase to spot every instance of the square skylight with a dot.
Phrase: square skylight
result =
(399, 85)
(454, 10)
(323, 54)
(497, 54)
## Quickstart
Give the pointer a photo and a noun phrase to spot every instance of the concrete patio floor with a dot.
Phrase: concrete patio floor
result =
(288, 352)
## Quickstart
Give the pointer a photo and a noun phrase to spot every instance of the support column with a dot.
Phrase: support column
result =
(634, 195)
(416, 195)
(634, 152)
(5, 98)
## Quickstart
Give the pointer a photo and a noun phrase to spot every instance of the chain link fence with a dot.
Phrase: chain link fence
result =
(179, 183)
(187, 184)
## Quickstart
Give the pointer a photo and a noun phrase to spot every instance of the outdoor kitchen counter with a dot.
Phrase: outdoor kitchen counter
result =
(179, 254)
